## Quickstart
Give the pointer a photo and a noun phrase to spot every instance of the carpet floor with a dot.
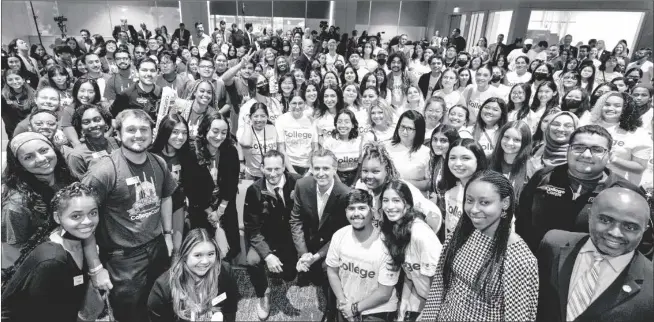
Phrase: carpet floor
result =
(288, 301)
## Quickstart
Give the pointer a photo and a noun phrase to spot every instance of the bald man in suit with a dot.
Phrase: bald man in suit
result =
(599, 276)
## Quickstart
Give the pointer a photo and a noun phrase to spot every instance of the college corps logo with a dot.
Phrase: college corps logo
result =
(553, 191)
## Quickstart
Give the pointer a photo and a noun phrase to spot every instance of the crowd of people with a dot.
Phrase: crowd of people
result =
(469, 183)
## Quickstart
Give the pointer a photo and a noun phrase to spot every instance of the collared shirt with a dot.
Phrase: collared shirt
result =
(203, 41)
(609, 268)
(322, 198)
(279, 185)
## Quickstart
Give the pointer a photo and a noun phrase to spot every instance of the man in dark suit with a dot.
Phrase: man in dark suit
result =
(567, 45)
(144, 34)
(602, 53)
(129, 29)
(182, 35)
(601, 276)
(85, 43)
(268, 205)
(248, 37)
(318, 212)
(304, 61)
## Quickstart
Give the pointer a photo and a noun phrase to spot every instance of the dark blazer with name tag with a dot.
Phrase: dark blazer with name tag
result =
(310, 233)
(629, 298)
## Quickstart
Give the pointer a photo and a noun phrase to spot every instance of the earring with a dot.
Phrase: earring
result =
(503, 215)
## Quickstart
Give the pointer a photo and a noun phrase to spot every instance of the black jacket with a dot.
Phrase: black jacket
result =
(266, 218)
(423, 84)
(546, 203)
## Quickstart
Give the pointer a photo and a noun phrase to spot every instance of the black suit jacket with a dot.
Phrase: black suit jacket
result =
(310, 233)
(186, 35)
(266, 219)
(133, 35)
(604, 55)
(304, 64)
(573, 50)
(143, 36)
(628, 298)
(423, 84)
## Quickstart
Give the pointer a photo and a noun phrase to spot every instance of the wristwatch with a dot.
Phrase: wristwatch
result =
(168, 232)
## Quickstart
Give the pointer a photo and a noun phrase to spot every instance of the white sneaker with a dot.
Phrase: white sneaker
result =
(263, 305)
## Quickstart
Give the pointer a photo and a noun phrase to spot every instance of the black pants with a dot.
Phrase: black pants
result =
(229, 222)
(256, 267)
(300, 170)
(133, 272)
(381, 316)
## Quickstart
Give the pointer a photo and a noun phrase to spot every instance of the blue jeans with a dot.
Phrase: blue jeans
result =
(133, 272)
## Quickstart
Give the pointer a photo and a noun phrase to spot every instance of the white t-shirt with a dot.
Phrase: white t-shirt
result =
(486, 144)
(274, 111)
(362, 267)
(513, 78)
(347, 152)
(450, 99)
(647, 181)
(297, 135)
(533, 55)
(627, 145)
(411, 166)
(397, 92)
(362, 117)
(453, 207)
(477, 98)
(604, 77)
(513, 55)
(324, 125)
(421, 258)
(262, 141)
(533, 118)
(385, 136)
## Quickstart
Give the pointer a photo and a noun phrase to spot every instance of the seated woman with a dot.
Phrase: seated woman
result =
(52, 273)
(34, 171)
(197, 287)
(91, 122)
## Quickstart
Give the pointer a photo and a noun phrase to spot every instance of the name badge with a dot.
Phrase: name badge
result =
(216, 300)
(78, 280)
(132, 181)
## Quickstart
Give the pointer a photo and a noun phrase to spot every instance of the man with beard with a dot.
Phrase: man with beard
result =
(359, 265)
(599, 276)
(399, 79)
(135, 235)
(458, 41)
(168, 76)
(94, 71)
(121, 81)
(268, 204)
(143, 94)
(320, 203)
(561, 197)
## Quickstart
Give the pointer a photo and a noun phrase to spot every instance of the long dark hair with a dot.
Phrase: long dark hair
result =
(418, 123)
(436, 162)
(448, 181)
(80, 81)
(585, 102)
(354, 132)
(322, 108)
(397, 235)
(554, 101)
(493, 268)
(201, 150)
(524, 110)
(518, 174)
(62, 71)
(480, 125)
(594, 97)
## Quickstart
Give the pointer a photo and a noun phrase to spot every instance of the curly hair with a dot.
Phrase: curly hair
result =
(629, 120)
(376, 150)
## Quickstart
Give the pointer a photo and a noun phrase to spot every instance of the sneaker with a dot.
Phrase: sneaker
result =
(263, 306)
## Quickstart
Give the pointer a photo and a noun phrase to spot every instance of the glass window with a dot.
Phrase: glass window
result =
(585, 25)
(474, 29)
(499, 22)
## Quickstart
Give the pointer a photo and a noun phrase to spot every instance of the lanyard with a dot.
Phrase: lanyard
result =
(265, 149)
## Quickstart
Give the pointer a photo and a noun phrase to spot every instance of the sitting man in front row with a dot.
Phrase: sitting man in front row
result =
(268, 204)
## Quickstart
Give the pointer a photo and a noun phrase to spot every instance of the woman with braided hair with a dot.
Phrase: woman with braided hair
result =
(486, 272)
(35, 170)
(376, 170)
(48, 283)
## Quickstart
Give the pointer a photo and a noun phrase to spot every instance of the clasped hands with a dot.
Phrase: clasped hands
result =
(305, 261)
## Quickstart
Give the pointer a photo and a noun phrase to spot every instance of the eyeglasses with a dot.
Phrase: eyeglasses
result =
(566, 126)
(406, 129)
(596, 151)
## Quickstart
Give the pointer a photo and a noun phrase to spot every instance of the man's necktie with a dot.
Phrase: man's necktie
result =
(583, 291)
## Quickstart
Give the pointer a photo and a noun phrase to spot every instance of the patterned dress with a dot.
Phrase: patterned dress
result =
(514, 296)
